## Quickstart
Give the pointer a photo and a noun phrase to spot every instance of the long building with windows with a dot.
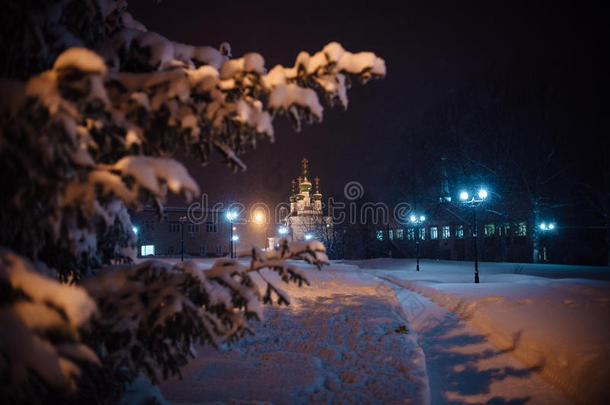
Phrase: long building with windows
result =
(443, 236)
(507, 230)
(447, 233)
(203, 234)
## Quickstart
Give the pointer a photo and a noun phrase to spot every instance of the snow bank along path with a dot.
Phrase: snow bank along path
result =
(555, 326)
(336, 343)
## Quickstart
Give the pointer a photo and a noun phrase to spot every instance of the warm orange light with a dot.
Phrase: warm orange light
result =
(259, 217)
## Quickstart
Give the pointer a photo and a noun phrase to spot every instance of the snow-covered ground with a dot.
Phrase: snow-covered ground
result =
(553, 319)
(535, 334)
(340, 341)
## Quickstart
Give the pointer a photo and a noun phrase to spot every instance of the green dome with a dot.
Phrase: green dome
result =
(305, 186)
(300, 197)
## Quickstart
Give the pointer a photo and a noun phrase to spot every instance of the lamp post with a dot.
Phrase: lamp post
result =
(546, 227)
(473, 202)
(282, 230)
(182, 221)
(231, 216)
(417, 220)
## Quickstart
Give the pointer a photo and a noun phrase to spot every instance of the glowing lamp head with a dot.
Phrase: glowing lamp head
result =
(231, 215)
(482, 194)
(543, 226)
(551, 226)
(235, 238)
(463, 196)
(422, 218)
(259, 217)
(308, 236)
(413, 218)
(283, 230)
(134, 229)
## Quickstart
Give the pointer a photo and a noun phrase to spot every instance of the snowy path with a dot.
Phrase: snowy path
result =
(463, 366)
(337, 343)
(552, 319)
(525, 335)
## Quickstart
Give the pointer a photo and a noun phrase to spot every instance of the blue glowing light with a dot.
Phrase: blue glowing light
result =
(231, 215)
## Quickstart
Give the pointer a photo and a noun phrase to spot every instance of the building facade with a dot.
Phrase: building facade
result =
(199, 234)
(508, 230)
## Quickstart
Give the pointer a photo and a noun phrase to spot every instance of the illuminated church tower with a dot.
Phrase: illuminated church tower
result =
(306, 220)
(303, 201)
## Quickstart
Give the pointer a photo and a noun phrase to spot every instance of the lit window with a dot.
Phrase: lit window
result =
(433, 232)
(410, 233)
(503, 229)
(147, 250)
(521, 229)
(422, 234)
(400, 234)
(446, 232)
(459, 231)
(489, 230)
(380, 235)
(391, 234)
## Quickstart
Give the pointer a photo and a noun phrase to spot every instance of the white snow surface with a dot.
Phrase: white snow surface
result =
(535, 334)
(335, 343)
(553, 319)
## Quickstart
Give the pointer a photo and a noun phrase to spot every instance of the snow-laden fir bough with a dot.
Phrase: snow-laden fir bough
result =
(89, 136)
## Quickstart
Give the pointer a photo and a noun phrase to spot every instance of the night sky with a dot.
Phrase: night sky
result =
(432, 50)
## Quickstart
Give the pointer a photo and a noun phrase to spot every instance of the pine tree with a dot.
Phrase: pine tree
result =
(90, 135)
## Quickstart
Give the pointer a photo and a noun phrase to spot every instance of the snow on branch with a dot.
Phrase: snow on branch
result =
(40, 319)
(151, 314)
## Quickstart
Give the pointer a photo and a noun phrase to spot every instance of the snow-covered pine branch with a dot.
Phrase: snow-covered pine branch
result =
(90, 135)
(151, 314)
(40, 346)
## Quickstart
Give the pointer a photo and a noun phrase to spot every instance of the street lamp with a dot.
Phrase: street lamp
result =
(134, 229)
(231, 216)
(308, 236)
(546, 227)
(259, 219)
(417, 220)
(282, 230)
(473, 202)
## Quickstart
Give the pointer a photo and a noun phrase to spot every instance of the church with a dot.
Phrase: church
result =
(305, 220)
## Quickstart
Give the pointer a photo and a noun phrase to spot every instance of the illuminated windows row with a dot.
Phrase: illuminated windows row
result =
(447, 232)
(424, 233)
